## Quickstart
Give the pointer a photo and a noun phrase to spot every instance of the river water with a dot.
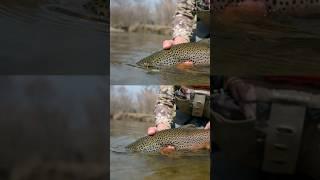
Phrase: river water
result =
(51, 37)
(151, 167)
(128, 48)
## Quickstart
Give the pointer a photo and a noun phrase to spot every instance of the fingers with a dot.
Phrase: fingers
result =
(179, 40)
(161, 127)
(167, 44)
(152, 131)
(167, 150)
(207, 126)
(171, 147)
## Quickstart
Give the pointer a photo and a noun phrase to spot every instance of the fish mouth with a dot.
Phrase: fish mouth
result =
(146, 65)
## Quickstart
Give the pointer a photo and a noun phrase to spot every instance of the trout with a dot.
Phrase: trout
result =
(183, 139)
(198, 53)
(299, 8)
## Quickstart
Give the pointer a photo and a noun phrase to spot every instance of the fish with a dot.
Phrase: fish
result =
(299, 8)
(197, 52)
(98, 7)
(183, 139)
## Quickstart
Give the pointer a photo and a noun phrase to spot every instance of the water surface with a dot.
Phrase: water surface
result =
(141, 166)
(128, 48)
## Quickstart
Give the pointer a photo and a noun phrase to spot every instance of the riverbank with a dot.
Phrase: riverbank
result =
(132, 117)
(147, 28)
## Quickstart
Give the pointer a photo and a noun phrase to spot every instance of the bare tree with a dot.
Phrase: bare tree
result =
(133, 12)
(165, 11)
(120, 100)
(146, 100)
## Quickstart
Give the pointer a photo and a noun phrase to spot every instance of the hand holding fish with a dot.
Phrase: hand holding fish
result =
(167, 44)
(154, 129)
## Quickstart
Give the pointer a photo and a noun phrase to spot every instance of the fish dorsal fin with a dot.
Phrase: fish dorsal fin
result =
(188, 126)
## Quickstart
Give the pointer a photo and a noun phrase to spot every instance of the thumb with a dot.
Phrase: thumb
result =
(167, 44)
(207, 126)
(152, 131)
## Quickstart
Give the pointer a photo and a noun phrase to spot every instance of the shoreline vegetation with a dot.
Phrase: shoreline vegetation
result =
(132, 106)
(146, 28)
(140, 117)
(142, 16)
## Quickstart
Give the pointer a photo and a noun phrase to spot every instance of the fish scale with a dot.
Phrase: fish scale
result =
(198, 53)
(180, 138)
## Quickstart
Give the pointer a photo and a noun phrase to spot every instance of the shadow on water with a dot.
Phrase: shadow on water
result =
(128, 48)
(151, 166)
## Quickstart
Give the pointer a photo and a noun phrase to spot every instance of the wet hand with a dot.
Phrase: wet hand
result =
(207, 126)
(152, 130)
(167, 44)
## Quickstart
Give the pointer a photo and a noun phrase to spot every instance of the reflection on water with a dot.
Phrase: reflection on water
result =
(142, 166)
(51, 36)
(130, 48)
(266, 45)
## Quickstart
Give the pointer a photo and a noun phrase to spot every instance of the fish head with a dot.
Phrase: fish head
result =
(148, 63)
(145, 144)
(144, 63)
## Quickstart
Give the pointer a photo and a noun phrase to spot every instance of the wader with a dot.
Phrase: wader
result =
(283, 139)
(202, 30)
(193, 107)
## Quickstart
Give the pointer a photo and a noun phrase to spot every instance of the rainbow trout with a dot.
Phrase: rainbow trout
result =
(183, 139)
(198, 53)
(300, 8)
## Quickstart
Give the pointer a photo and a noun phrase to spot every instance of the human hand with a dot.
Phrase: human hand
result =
(152, 130)
(167, 44)
(207, 125)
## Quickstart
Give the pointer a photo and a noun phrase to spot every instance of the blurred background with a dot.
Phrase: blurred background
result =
(142, 15)
(133, 101)
(53, 127)
(54, 37)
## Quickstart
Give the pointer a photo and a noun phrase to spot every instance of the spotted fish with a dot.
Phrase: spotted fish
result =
(98, 7)
(183, 139)
(198, 53)
(300, 8)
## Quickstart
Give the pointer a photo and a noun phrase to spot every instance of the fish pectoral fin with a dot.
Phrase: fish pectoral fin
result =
(185, 64)
(197, 147)
(167, 150)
